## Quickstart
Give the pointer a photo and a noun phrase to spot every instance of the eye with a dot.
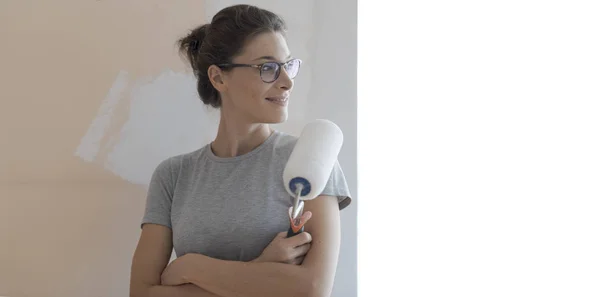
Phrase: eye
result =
(269, 67)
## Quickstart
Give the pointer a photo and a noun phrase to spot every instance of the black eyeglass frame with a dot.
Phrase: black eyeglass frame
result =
(280, 65)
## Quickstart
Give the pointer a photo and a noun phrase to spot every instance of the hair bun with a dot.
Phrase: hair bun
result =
(194, 44)
(198, 36)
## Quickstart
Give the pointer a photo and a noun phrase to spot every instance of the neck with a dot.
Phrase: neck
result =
(236, 137)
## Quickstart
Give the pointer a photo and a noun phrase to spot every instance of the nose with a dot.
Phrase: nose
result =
(284, 81)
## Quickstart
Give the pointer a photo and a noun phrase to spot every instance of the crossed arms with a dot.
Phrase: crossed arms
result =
(201, 276)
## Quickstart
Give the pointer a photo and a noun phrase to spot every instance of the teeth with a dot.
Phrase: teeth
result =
(278, 100)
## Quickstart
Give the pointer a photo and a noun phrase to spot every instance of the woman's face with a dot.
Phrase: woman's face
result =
(246, 95)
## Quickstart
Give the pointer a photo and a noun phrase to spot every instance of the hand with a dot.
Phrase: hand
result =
(287, 250)
(176, 272)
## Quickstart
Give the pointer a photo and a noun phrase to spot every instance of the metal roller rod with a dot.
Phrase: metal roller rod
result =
(297, 209)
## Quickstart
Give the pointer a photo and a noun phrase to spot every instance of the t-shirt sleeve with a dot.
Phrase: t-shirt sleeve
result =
(338, 187)
(160, 195)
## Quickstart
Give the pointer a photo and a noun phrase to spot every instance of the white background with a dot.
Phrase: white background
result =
(479, 148)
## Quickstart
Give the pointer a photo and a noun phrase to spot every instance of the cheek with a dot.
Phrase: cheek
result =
(254, 91)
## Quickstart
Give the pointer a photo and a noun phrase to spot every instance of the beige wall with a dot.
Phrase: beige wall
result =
(88, 87)
(69, 227)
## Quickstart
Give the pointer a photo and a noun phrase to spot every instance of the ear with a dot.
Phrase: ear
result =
(217, 78)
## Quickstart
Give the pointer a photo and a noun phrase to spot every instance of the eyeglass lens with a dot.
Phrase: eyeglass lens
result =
(270, 71)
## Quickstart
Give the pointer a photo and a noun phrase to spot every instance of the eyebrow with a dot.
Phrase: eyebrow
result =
(271, 58)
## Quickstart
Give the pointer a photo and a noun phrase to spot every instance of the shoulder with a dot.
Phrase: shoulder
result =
(284, 142)
(173, 165)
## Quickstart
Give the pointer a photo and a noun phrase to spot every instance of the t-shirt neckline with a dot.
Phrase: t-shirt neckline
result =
(211, 155)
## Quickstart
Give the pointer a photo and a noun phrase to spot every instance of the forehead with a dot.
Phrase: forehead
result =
(270, 44)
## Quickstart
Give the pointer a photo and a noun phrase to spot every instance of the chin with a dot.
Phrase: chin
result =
(276, 118)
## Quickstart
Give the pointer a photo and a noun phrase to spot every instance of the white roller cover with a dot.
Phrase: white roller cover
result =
(313, 158)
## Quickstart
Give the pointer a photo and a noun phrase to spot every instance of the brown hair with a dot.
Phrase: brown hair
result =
(223, 39)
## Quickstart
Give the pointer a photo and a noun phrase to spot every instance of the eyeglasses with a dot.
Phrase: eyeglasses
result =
(270, 71)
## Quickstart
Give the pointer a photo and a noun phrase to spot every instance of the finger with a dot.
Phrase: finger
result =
(298, 261)
(301, 250)
(300, 239)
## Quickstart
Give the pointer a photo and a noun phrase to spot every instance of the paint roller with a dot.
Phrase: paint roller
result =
(310, 165)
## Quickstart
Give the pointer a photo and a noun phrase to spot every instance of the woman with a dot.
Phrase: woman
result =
(223, 207)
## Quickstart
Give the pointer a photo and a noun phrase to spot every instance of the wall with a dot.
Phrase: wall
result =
(87, 89)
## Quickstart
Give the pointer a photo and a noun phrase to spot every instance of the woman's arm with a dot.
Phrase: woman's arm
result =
(314, 278)
(150, 259)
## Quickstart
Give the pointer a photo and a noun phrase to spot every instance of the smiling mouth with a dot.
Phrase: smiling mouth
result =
(278, 100)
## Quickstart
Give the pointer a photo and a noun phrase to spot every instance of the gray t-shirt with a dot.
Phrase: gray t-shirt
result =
(228, 208)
